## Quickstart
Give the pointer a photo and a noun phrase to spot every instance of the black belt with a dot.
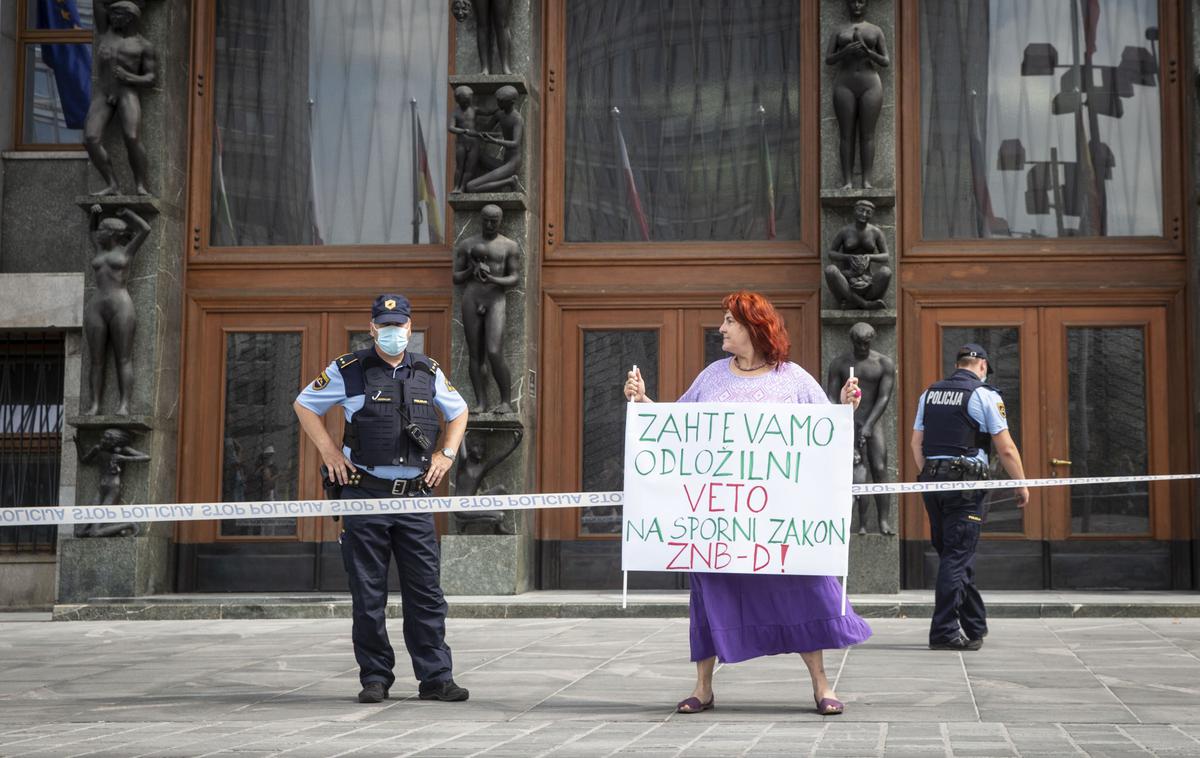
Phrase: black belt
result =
(415, 487)
(954, 469)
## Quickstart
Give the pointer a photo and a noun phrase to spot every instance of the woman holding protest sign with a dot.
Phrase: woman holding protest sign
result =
(737, 617)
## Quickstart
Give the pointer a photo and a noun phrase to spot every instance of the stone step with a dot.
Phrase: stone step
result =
(607, 604)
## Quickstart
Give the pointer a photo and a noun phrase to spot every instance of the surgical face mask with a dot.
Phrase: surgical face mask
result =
(391, 339)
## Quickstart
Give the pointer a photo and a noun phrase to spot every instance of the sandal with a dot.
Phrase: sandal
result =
(829, 706)
(693, 705)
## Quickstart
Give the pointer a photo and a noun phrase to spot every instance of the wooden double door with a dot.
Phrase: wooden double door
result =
(1088, 391)
(241, 440)
(590, 348)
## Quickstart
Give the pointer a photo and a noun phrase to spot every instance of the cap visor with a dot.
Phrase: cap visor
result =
(391, 318)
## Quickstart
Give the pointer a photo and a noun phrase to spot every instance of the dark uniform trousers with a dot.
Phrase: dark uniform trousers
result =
(368, 543)
(955, 521)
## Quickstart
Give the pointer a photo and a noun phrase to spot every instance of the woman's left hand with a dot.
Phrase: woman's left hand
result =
(851, 394)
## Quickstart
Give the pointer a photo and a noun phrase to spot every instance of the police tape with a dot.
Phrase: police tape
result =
(116, 514)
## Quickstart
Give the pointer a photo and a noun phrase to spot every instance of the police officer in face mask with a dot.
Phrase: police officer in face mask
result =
(958, 421)
(390, 449)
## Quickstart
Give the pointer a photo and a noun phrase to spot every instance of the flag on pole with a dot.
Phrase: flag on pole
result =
(433, 219)
(768, 171)
(986, 222)
(1091, 23)
(630, 184)
(222, 194)
(71, 63)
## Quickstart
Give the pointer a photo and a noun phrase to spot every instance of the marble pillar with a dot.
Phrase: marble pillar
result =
(503, 564)
(874, 558)
(141, 564)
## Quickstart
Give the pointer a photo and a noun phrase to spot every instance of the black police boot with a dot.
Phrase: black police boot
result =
(373, 692)
(446, 691)
(958, 643)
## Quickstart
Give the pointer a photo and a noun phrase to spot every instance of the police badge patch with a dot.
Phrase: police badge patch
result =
(1000, 407)
(321, 382)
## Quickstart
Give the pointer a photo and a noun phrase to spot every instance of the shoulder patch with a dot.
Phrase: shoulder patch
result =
(345, 360)
(321, 382)
(1000, 408)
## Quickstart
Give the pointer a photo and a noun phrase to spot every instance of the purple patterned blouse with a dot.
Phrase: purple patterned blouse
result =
(788, 384)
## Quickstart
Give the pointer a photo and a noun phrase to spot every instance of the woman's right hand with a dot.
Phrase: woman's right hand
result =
(635, 386)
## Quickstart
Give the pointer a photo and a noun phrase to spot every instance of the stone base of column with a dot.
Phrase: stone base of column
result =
(486, 564)
(874, 564)
(113, 567)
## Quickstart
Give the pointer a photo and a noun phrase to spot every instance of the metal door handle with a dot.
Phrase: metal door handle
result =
(1059, 462)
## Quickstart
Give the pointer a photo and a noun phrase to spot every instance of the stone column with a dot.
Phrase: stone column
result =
(140, 565)
(502, 563)
(874, 557)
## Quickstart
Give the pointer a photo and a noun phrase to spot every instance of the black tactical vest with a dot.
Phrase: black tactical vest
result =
(949, 429)
(382, 432)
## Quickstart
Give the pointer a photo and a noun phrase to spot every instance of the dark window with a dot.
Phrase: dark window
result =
(1003, 346)
(31, 416)
(607, 357)
(1106, 374)
(703, 142)
(262, 374)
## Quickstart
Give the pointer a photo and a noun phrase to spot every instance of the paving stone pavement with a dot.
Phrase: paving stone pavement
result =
(593, 687)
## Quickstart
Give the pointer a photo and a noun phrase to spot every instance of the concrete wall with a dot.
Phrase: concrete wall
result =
(41, 228)
(26, 581)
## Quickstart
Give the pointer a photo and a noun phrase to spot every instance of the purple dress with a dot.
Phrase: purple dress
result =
(743, 616)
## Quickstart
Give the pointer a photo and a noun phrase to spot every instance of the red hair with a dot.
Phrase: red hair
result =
(767, 331)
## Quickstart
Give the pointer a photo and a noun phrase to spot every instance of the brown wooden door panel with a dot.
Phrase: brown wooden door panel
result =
(1095, 417)
(938, 325)
(562, 433)
(1051, 378)
(681, 335)
(204, 447)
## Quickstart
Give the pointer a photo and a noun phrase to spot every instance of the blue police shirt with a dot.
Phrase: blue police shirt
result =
(985, 407)
(333, 392)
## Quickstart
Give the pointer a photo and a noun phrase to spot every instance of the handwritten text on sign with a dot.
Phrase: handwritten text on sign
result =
(742, 488)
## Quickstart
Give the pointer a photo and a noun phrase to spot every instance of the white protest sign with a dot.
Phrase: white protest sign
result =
(743, 488)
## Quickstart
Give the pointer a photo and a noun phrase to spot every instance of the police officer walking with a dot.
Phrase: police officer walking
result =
(388, 394)
(958, 421)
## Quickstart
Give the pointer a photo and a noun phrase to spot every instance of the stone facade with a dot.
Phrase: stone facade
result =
(874, 558)
(45, 279)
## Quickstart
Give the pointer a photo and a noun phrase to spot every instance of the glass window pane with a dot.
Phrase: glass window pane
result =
(1107, 428)
(58, 90)
(314, 133)
(703, 145)
(712, 346)
(58, 14)
(31, 417)
(1003, 346)
(607, 358)
(1040, 118)
(262, 374)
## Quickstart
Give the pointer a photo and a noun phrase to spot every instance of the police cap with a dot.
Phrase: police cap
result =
(391, 309)
(974, 350)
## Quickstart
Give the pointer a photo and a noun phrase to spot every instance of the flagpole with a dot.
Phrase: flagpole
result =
(416, 177)
(627, 168)
(768, 169)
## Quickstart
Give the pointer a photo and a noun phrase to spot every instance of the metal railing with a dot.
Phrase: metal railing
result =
(31, 419)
